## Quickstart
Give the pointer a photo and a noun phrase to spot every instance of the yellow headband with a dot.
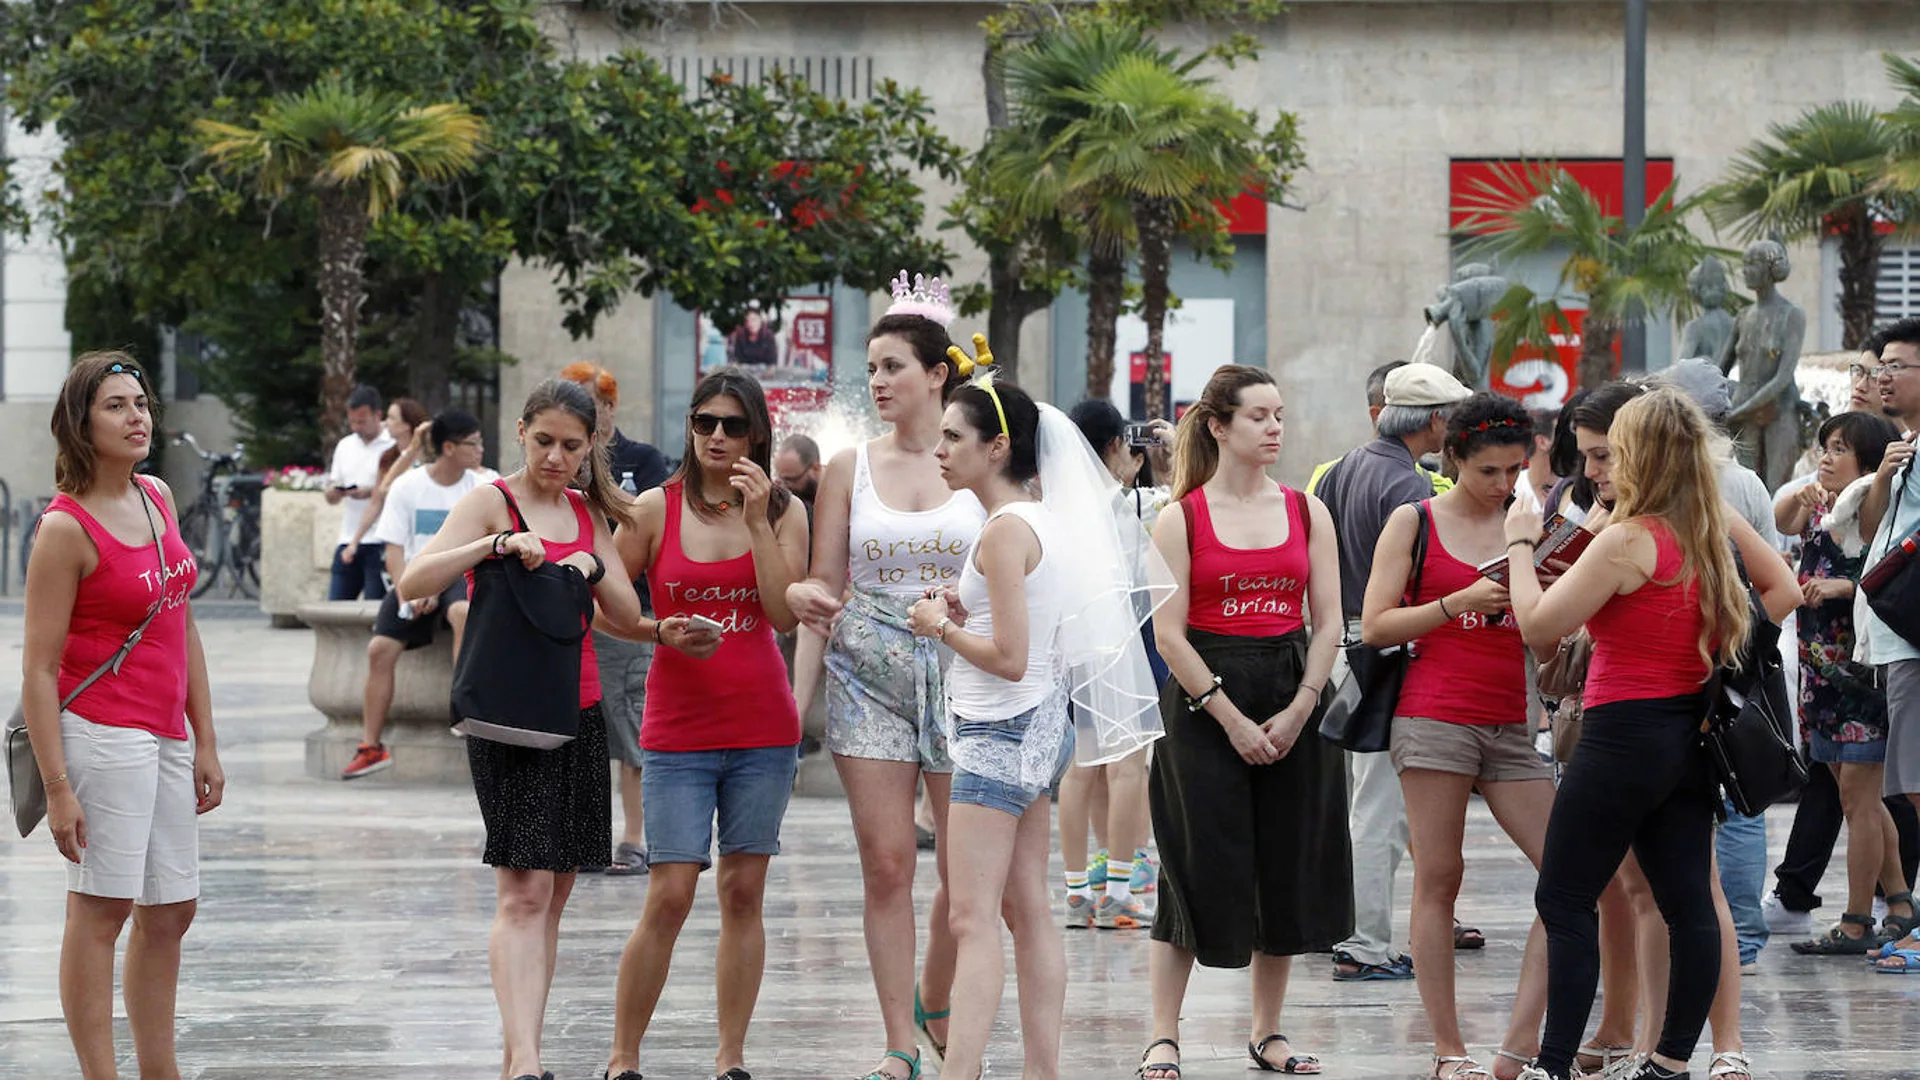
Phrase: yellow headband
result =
(974, 367)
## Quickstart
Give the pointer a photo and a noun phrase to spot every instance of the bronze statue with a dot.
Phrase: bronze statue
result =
(1765, 421)
(1466, 307)
(1708, 334)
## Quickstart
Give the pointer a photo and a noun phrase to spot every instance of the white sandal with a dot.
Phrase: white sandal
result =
(1465, 1068)
(1730, 1063)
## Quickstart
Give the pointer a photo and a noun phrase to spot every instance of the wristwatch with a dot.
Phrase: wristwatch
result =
(940, 630)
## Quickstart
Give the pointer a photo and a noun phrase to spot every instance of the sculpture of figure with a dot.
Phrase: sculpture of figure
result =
(1765, 421)
(1709, 333)
(1466, 307)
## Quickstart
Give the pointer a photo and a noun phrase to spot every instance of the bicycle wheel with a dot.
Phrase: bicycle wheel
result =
(243, 558)
(200, 529)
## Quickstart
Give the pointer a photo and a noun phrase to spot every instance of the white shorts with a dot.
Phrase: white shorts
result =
(136, 789)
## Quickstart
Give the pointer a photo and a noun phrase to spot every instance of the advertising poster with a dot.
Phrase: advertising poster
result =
(789, 349)
(1542, 381)
(1198, 339)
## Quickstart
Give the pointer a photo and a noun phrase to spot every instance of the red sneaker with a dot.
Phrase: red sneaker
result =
(370, 758)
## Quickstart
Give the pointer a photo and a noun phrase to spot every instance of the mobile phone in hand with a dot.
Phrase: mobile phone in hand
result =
(701, 622)
(1141, 436)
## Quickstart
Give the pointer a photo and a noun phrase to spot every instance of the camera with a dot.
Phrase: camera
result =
(1141, 437)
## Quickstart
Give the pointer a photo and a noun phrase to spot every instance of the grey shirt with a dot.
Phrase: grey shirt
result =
(1361, 491)
(1742, 489)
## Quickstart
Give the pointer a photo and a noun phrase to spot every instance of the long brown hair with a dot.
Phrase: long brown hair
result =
(745, 389)
(1195, 453)
(1666, 467)
(413, 414)
(73, 459)
(602, 494)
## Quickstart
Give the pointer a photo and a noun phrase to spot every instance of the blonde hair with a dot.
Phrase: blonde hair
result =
(1667, 466)
(1196, 455)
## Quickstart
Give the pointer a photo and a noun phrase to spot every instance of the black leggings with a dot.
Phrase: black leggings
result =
(1640, 778)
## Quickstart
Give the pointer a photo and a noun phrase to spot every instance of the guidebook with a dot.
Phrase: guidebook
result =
(1562, 541)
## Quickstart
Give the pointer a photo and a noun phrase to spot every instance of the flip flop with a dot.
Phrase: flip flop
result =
(1467, 937)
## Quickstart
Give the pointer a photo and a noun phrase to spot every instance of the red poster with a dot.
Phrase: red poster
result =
(1543, 382)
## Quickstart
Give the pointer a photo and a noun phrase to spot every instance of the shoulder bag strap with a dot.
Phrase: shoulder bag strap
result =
(1419, 548)
(1186, 510)
(112, 663)
(513, 507)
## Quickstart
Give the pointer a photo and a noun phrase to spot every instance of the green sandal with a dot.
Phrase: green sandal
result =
(920, 1017)
(913, 1067)
(1837, 942)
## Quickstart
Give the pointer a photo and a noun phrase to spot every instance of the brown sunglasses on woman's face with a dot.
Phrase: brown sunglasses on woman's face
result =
(736, 427)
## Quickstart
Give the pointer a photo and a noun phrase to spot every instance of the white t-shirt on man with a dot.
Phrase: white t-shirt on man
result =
(356, 462)
(417, 507)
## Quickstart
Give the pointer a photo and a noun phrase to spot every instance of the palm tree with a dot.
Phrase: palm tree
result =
(1164, 147)
(1047, 80)
(355, 150)
(1815, 176)
(1620, 273)
(1902, 173)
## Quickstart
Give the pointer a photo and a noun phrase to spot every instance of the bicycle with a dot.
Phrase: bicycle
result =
(222, 525)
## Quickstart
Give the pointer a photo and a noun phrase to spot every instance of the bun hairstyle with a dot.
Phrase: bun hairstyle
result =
(1487, 420)
(736, 383)
(1196, 454)
(1100, 422)
(602, 494)
(1665, 467)
(73, 459)
(1023, 424)
(929, 342)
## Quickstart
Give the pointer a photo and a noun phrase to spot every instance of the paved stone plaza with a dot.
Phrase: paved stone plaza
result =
(343, 933)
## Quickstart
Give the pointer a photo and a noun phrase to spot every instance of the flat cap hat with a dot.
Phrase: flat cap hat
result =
(1424, 386)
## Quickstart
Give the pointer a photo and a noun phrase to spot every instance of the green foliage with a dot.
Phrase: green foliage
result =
(1528, 208)
(1828, 161)
(1903, 169)
(333, 135)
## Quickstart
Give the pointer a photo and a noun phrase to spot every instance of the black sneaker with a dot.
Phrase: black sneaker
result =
(1650, 1071)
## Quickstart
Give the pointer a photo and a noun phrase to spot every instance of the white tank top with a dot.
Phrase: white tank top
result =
(975, 695)
(900, 552)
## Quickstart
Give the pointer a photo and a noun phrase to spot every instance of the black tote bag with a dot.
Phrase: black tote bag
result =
(1893, 584)
(1749, 733)
(518, 677)
(1359, 715)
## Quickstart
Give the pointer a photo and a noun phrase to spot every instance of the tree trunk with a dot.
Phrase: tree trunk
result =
(1106, 288)
(343, 253)
(1154, 218)
(436, 336)
(1859, 275)
(1597, 337)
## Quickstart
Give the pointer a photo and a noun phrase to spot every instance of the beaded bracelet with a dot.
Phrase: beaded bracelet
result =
(1195, 704)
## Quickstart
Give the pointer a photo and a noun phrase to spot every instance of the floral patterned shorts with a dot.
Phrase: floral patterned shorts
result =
(884, 688)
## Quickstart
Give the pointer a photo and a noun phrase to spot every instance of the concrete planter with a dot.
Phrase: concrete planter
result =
(425, 751)
(298, 533)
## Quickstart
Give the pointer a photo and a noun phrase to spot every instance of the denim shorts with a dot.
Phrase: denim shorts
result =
(684, 791)
(975, 790)
(1829, 752)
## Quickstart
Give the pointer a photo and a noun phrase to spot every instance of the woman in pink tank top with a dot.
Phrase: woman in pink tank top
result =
(1249, 804)
(1461, 722)
(548, 812)
(720, 544)
(1663, 571)
(128, 758)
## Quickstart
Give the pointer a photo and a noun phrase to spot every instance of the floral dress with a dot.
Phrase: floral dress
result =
(1837, 698)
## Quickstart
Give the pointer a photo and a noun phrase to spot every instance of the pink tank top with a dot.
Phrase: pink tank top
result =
(1247, 592)
(736, 699)
(582, 541)
(1646, 644)
(1472, 670)
(150, 690)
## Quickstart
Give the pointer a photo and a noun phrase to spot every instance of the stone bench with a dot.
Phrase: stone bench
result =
(425, 751)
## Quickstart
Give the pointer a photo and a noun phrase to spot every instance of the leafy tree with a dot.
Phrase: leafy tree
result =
(1903, 170)
(355, 151)
(1820, 175)
(1530, 208)
(602, 171)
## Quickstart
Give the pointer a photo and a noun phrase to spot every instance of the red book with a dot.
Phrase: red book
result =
(1562, 541)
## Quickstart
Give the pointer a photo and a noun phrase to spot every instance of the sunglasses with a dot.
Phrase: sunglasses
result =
(736, 427)
(122, 369)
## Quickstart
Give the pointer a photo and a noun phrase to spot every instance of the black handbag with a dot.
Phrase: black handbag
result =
(1359, 715)
(1749, 734)
(1893, 584)
(518, 677)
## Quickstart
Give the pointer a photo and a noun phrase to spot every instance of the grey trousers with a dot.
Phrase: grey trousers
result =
(1902, 680)
(1377, 822)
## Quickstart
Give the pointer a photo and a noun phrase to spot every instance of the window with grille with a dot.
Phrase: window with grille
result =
(849, 78)
(1897, 290)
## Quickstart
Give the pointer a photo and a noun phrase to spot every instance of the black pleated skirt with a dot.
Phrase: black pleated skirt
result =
(546, 809)
(1254, 858)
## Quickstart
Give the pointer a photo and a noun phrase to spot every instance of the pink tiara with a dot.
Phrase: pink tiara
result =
(926, 297)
